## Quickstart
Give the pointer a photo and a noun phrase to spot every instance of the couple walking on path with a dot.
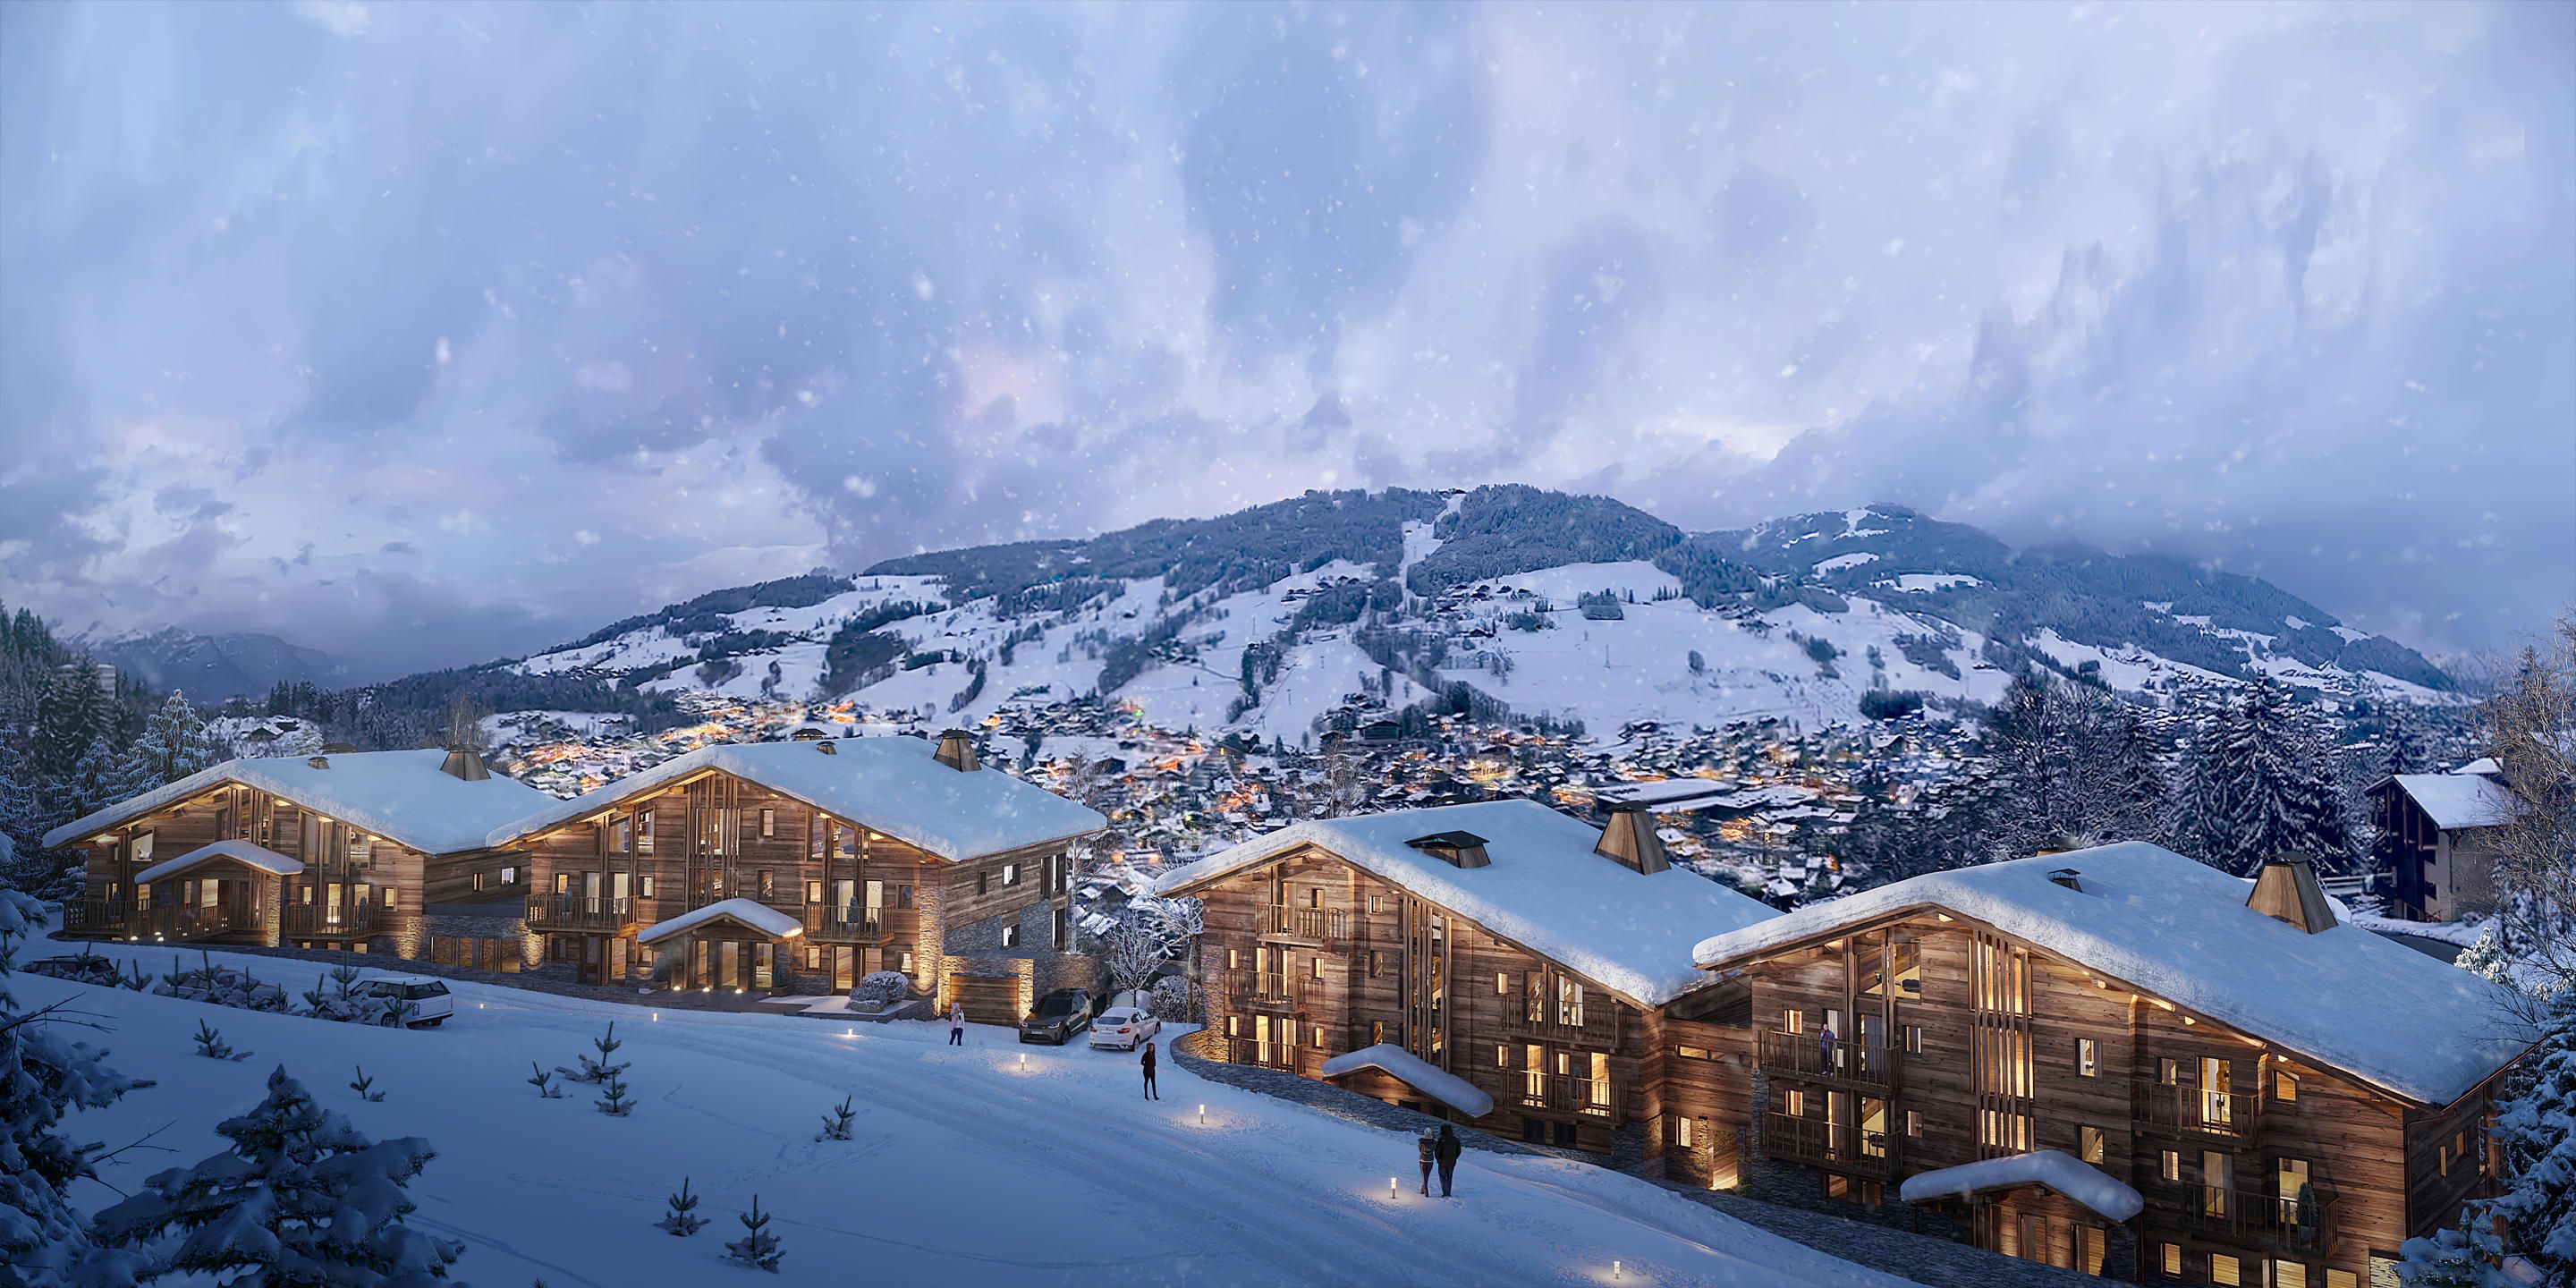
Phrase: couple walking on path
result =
(1440, 1151)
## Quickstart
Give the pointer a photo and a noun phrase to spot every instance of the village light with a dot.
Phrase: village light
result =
(1615, 1271)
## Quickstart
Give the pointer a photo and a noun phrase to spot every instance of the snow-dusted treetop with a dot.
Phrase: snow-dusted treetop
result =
(2175, 928)
(2064, 1173)
(234, 848)
(1543, 888)
(400, 795)
(2459, 800)
(889, 784)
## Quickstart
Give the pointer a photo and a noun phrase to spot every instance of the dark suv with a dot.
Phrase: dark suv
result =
(1059, 1015)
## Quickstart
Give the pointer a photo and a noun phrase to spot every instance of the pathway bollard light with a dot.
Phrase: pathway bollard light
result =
(1203, 1115)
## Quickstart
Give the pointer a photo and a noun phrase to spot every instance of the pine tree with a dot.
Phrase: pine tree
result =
(836, 1123)
(174, 743)
(2486, 959)
(2535, 1133)
(43, 1240)
(2457, 1257)
(70, 717)
(104, 776)
(683, 1219)
(2261, 785)
(300, 1198)
(757, 1247)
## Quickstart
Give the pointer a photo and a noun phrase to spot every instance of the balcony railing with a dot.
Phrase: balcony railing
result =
(2228, 1215)
(2189, 1109)
(1590, 1096)
(1268, 1053)
(607, 913)
(1841, 1146)
(1314, 925)
(96, 917)
(1810, 1055)
(1596, 1023)
(173, 923)
(1594, 1096)
(322, 919)
(845, 923)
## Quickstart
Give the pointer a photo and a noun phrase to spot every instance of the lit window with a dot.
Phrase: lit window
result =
(1797, 1104)
(644, 831)
(1914, 1124)
(1793, 1020)
(1315, 967)
(2222, 1269)
(1010, 936)
(509, 876)
(1502, 1056)
(2088, 1058)
(1682, 1132)
(648, 886)
(2342, 1279)
(1502, 983)
(2289, 1274)
(2089, 1142)
(2169, 1166)
(768, 822)
(1693, 1053)
(2285, 1086)
(1010, 874)
(2169, 1255)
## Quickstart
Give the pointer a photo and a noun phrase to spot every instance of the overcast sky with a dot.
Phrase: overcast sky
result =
(425, 333)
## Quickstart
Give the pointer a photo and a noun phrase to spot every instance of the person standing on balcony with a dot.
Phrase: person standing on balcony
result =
(1829, 1048)
(1430, 1150)
(1151, 1093)
(1446, 1151)
(956, 1024)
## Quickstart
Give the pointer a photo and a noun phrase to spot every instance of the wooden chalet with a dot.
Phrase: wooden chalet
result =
(1498, 963)
(2122, 1061)
(354, 850)
(2432, 847)
(744, 866)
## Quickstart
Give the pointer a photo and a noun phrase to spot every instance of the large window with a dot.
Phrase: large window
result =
(1569, 1002)
(2088, 1058)
(2002, 978)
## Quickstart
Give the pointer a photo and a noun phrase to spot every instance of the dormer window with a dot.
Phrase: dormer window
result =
(2067, 877)
(1457, 849)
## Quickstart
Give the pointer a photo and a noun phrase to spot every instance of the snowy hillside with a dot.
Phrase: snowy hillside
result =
(1052, 1174)
(1341, 605)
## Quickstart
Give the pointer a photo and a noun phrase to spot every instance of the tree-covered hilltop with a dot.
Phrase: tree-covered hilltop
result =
(1514, 528)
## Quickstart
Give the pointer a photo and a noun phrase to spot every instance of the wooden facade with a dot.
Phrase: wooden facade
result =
(2433, 873)
(1307, 956)
(862, 900)
(1926, 1040)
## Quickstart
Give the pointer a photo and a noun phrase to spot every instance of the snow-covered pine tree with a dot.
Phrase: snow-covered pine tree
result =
(2485, 958)
(543, 1080)
(300, 1198)
(836, 1122)
(43, 1241)
(104, 776)
(683, 1219)
(175, 743)
(2535, 1132)
(2458, 1257)
(757, 1247)
(2260, 786)
(71, 716)
(595, 1069)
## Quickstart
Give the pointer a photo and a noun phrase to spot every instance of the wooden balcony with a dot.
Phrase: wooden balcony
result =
(589, 914)
(1596, 1025)
(1266, 1053)
(172, 923)
(1269, 990)
(1813, 1141)
(2270, 1223)
(1334, 927)
(97, 917)
(320, 920)
(847, 923)
(1593, 1097)
(1808, 1055)
(2192, 1111)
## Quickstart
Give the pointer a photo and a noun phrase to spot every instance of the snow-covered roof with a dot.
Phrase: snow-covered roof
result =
(750, 912)
(238, 850)
(2064, 1173)
(2458, 800)
(1415, 1072)
(889, 784)
(401, 795)
(2178, 929)
(1542, 887)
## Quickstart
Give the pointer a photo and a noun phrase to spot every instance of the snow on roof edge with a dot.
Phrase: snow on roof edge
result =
(293, 778)
(236, 849)
(1415, 1072)
(2096, 1190)
(750, 912)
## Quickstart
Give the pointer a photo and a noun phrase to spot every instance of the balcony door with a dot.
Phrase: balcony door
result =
(2217, 1106)
(2217, 1182)
(876, 901)
(2290, 1177)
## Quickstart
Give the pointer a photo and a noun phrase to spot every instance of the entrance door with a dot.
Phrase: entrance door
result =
(728, 964)
(844, 968)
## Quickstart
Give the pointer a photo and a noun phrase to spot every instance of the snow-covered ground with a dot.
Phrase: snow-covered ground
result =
(963, 1169)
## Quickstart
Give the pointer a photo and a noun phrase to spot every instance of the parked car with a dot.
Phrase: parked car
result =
(1124, 1027)
(427, 999)
(1057, 1017)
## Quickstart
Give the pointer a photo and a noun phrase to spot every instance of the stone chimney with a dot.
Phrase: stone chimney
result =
(1630, 839)
(464, 763)
(2287, 890)
(957, 751)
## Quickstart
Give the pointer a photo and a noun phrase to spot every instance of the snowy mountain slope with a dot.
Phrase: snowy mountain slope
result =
(1339, 605)
(211, 668)
(1057, 1174)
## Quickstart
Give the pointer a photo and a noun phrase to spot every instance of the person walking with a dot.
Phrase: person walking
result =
(1151, 1092)
(1430, 1151)
(1446, 1152)
(956, 1024)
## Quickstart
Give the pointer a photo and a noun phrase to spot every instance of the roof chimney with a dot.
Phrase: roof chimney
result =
(1457, 849)
(2069, 878)
(465, 763)
(824, 745)
(318, 762)
(957, 751)
(2286, 890)
(1630, 840)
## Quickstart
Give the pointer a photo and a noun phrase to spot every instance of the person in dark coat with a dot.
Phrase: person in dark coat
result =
(1446, 1152)
(1150, 1092)
(1430, 1152)
(957, 1024)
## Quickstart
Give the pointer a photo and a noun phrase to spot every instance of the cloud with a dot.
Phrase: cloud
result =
(546, 308)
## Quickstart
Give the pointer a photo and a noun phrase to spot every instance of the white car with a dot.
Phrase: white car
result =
(427, 998)
(1123, 1027)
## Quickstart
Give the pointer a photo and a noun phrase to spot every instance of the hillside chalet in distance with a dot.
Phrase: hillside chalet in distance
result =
(1499, 963)
(2123, 1061)
(2433, 843)
(740, 864)
(354, 850)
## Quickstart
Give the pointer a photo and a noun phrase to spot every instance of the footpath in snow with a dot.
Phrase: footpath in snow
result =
(964, 1167)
